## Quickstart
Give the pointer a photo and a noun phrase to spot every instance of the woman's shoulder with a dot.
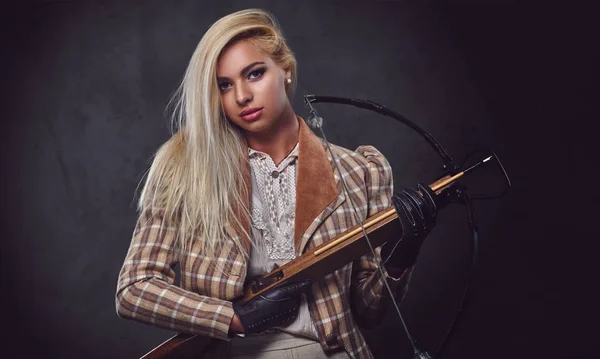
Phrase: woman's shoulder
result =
(168, 162)
(174, 144)
(363, 155)
(170, 153)
(366, 162)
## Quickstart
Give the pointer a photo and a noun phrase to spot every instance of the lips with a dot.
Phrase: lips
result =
(250, 114)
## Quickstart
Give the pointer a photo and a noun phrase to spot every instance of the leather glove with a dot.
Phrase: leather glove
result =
(274, 307)
(417, 212)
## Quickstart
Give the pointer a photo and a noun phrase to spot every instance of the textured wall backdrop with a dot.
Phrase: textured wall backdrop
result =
(84, 95)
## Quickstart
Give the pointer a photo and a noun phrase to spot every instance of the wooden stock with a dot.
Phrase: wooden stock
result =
(331, 255)
(327, 257)
(180, 346)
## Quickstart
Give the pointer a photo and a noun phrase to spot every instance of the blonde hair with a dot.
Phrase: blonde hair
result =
(194, 178)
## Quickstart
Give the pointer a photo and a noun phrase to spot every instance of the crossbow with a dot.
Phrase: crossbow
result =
(382, 223)
(355, 242)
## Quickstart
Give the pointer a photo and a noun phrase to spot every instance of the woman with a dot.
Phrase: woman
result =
(244, 186)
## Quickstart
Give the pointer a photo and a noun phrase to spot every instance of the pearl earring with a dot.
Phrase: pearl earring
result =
(289, 81)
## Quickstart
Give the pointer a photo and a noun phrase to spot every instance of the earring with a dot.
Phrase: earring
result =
(289, 81)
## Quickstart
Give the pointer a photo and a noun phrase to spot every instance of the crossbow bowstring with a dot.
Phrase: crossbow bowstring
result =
(315, 121)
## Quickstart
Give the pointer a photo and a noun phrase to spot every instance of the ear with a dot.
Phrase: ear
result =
(288, 74)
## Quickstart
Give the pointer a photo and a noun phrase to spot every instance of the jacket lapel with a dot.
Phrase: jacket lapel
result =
(318, 193)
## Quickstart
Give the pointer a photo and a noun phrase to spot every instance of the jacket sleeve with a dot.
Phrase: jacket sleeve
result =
(370, 298)
(145, 289)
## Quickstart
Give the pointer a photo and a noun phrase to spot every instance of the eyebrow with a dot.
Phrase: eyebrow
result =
(244, 70)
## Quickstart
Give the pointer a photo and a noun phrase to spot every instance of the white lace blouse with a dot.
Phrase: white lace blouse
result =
(272, 228)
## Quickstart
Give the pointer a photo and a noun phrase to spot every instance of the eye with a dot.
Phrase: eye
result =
(256, 74)
(224, 86)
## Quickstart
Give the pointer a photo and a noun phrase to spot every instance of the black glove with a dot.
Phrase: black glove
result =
(417, 212)
(274, 307)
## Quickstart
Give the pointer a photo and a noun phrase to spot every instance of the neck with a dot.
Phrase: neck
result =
(279, 140)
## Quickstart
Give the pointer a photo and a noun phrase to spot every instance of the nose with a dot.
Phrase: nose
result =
(243, 95)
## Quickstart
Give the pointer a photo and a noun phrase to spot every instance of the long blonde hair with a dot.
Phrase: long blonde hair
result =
(194, 178)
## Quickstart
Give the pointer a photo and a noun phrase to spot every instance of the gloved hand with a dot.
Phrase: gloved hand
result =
(274, 307)
(417, 212)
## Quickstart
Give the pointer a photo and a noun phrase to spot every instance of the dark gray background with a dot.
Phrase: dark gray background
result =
(85, 85)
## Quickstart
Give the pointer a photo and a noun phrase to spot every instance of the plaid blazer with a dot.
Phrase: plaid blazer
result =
(351, 296)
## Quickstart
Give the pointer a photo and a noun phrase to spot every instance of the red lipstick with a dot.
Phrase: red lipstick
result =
(251, 113)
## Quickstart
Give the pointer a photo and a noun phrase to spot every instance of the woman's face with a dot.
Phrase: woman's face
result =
(252, 87)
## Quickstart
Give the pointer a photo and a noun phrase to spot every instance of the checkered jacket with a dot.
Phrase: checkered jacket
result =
(352, 295)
